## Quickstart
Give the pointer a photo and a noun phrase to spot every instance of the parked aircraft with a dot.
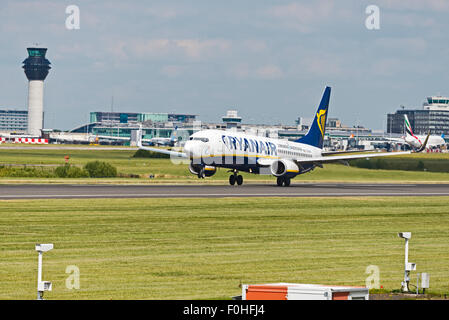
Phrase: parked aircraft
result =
(165, 141)
(417, 142)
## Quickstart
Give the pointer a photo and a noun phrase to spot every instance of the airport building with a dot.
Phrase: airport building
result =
(117, 127)
(433, 117)
(13, 120)
(231, 119)
(132, 117)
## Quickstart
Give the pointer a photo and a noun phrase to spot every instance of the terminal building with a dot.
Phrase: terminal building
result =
(118, 126)
(132, 117)
(433, 117)
(15, 121)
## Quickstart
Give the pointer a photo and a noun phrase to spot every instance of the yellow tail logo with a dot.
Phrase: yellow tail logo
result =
(321, 120)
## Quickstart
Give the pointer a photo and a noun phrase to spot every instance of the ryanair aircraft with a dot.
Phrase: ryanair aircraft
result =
(208, 150)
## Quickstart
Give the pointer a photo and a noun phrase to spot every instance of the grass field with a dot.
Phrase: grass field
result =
(164, 171)
(204, 248)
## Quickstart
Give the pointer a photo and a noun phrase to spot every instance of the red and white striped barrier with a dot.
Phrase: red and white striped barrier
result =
(296, 291)
(30, 140)
(2, 140)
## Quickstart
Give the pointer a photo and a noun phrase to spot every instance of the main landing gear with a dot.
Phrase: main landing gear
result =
(235, 178)
(283, 181)
(202, 173)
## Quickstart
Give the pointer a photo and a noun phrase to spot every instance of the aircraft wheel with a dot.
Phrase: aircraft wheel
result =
(280, 181)
(202, 174)
(286, 182)
(231, 180)
(239, 180)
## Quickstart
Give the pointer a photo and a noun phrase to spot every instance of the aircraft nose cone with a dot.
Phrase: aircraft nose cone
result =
(188, 148)
(193, 149)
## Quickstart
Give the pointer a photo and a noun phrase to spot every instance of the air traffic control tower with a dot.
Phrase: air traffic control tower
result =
(36, 68)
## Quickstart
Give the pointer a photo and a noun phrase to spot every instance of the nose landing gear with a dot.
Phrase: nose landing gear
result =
(235, 178)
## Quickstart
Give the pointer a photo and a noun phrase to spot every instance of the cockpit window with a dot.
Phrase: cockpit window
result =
(199, 139)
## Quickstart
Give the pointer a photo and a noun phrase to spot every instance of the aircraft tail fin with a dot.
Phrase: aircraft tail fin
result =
(174, 135)
(408, 128)
(315, 135)
(139, 137)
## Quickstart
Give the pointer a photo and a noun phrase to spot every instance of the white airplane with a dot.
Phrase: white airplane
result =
(208, 150)
(165, 141)
(153, 141)
(418, 141)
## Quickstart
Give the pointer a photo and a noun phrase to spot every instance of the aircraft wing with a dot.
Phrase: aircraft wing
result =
(394, 139)
(329, 153)
(328, 159)
(112, 138)
(165, 151)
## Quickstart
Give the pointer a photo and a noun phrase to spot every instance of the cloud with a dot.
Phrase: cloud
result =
(162, 48)
(241, 70)
(173, 71)
(269, 72)
(255, 45)
(265, 72)
(195, 48)
(387, 67)
(321, 65)
(414, 45)
(415, 5)
(163, 13)
(150, 47)
(303, 16)
(408, 20)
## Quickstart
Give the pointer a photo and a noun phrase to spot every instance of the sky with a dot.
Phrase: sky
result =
(270, 60)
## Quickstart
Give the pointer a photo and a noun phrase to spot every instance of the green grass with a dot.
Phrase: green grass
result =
(430, 164)
(204, 248)
(164, 171)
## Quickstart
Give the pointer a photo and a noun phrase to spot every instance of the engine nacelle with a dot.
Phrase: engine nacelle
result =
(195, 169)
(284, 167)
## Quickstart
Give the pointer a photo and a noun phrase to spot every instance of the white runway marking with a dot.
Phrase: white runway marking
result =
(192, 195)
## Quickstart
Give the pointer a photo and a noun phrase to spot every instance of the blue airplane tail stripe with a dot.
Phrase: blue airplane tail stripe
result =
(315, 135)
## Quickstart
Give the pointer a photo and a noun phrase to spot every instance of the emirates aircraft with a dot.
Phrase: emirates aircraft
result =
(420, 142)
(208, 150)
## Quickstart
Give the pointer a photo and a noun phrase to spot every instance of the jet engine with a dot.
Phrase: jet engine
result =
(283, 167)
(195, 169)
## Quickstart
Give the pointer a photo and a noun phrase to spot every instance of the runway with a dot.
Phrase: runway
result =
(63, 191)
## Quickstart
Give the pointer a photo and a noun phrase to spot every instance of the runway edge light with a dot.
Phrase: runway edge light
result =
(408, 266)
(42, 285)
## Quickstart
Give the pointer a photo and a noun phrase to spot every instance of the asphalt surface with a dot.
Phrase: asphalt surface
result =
(63, 191)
